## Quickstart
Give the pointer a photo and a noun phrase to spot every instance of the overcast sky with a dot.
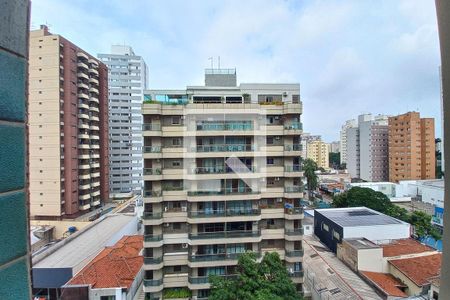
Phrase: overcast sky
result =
(350, 57)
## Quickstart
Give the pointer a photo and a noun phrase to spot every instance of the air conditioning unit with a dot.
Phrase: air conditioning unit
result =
(279, 200)
(184, 208)
(277, 178)
(166, 224)
(185, 246)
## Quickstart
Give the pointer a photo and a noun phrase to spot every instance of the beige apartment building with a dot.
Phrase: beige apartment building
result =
(222, 176)
(411, 147)
(68, 128)
(318, 151)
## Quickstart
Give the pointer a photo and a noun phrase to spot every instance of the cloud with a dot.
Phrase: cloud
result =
(349, 57)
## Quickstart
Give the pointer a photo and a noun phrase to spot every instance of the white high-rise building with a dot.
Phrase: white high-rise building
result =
(367, 148)
(343, 142)
(127, 80)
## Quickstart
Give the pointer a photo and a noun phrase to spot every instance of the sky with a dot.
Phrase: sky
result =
(350, 57)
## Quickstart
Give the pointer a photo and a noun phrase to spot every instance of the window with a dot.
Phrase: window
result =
(325, 227)
(270, 160)
(107, 297)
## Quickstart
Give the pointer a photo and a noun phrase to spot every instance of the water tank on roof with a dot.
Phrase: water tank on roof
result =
(72, 229)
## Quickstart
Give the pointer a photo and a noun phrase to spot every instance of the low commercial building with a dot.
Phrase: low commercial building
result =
(400, 268)
(56, 265)
(115, 273)
(332, 225)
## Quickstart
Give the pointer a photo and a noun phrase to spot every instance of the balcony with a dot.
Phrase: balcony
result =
(151, 129)
(82, 55)
(293, 168)
(83, 75)
(225, 126)
(296, 274)
(294, 213)
(293, 147)
(224, 194)
(293, 128)
(83, 116)
(94, 127)
(293, 192)
(94, 99)
(93, 71)
(222, 172)
(152, 174)
(94, 108)
(82, 65)
(152, 152)
(82, 85)
(153, 285)
(84, 207)
(224, 213)
(294, 253)
(153, 260)
(225, 234)
(93, 80)
(93, 90)
(96, 193)
(83, 105)
(205, 279)
(224, 148)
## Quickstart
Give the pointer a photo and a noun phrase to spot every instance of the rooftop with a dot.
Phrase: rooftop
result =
(419, 269)
(386, 283)
(404, 247)
(115, 266)
(357, 216)
(361, 243)
(77, 250)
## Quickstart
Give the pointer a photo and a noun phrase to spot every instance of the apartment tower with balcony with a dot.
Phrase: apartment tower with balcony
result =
(411, 147)
(68, 126)
(127, 81)
(222, 176)
(318, 152)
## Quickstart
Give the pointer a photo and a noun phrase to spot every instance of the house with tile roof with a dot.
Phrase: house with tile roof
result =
(116, 272)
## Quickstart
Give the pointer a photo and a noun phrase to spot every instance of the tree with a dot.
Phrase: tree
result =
(268, 280)
(309, 170)
(358, 196)
(335, 159)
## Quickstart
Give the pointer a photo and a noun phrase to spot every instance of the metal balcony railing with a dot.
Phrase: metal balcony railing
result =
(151, 127)
(152, 149)
(224, 148)
(153, 282)
(224, 213)
(226, 191)
(153, 237)
(225, 234)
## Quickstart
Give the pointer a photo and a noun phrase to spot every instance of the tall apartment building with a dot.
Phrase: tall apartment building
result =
(367, 148)
(14, 230)
(335, 147)
(127, 81)
(343, 141)
(318, 152)
(411, 147)
(68, 126)
(222, 176)
(307, 138)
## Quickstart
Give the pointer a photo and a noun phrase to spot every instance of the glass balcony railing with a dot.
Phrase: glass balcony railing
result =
(223, 169)
(217, 256)
(225, 126)
(293, 211)
(153, 237)
(151, 215)
(294, 253)
(224, 148)
(153, 282)
(152, 171)
(152, 149)
(151, 127)
(293, 232)
(226, 191)
(224, 213)
(152, 194)
(293, 189)
(224, 234)
(152, 260)
(205, 279)
(293, 168)
(294, 147)
(296, 274)
(294, 126)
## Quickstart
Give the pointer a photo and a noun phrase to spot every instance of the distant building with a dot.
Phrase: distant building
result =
(332, 225)
(397, 268)
(115, 273)
(68, 128)
(411, 147)
(307, 138)
(334, 147)
(127, 80)
(367, 148)
(343, 141)
(318, 152)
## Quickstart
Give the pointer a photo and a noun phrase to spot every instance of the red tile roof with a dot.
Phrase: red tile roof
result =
(387, 283)
(404, 247)
(419, 269)
(115, 266)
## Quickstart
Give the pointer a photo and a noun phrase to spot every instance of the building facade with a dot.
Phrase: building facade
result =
(367, 148)
(14, 249)
(343, 141)
(411, 147)
(127, 81)
(68, 117)
(335, 147)
(318, 152)
(222, 176)
(305, 140)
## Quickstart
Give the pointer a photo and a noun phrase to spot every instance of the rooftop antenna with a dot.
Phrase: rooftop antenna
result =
(212, 62)
(218, 57)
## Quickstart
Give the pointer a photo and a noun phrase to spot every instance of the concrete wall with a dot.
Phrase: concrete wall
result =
(413, 289)
(60, 226)
(370, 260)
(353, 152)
(378, 232)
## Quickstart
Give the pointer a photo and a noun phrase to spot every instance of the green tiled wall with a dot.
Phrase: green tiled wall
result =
(12, 87)
(12, 158)
(14, 284)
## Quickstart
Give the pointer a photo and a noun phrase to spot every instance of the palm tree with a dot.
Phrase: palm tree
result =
(309, 169)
